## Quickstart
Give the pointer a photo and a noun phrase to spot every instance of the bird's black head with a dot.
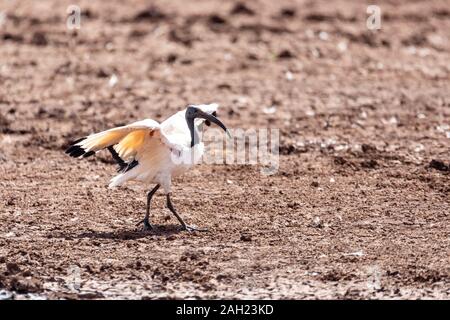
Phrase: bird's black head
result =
(192, 112)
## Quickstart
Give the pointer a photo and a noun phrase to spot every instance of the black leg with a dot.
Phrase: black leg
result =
(147, 225)
(185, 226)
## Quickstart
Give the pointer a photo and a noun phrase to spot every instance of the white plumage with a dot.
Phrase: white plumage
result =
(153, 153)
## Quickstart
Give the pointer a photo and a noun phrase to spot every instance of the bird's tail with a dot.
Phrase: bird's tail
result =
(118, 180)
(124, 176)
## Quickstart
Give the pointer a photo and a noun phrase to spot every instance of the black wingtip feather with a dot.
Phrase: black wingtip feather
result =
(88, 154)
(123, 166)
(77, 151)
(69, 150)
(79, 140)
(128, 166)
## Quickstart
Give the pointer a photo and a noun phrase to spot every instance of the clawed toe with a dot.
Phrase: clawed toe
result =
(146, 225)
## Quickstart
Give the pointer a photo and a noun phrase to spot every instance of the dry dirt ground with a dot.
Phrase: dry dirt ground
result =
(357, 209)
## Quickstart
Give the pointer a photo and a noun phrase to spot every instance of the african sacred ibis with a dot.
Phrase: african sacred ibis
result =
(153, 153)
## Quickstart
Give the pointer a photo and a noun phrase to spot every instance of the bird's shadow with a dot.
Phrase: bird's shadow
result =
(158, 230)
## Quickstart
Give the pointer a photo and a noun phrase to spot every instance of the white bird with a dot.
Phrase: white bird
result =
(153, 153)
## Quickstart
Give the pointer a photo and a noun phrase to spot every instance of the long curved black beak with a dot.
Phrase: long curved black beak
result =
(211, 118)
(192, 113)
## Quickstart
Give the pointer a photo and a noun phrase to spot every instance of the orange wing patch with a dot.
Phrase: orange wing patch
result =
(131, 143)
(101, 141)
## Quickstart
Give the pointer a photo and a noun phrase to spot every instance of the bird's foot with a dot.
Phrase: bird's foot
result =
(193, 228)
(147, 226)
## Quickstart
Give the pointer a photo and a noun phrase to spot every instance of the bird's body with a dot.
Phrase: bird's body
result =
(150, 152)
(162, 159)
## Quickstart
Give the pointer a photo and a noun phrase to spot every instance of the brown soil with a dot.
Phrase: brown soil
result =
(358, 208)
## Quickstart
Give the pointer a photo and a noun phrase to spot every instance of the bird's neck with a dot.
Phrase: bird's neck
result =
(195, 138)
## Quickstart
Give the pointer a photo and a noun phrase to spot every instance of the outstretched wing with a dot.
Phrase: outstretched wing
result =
(124, 142)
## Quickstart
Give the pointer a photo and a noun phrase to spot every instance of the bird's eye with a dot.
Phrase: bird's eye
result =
(214, 113)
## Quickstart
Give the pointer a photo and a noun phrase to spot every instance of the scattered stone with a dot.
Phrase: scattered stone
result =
(356, 254)
(181, 36)
(4, 123)
(224, 86)
(216, 19)
(91, 295)
(5, 295)
(342, 46)
(25, 285)
(221, 276)
(113, 80)
(324, 36)
(12, 268)
(439, 165)
(241, 8)
(369, 164)
(339, 160)
(87, 13)
(288, 12)
(171, 58)
(270, 110)
(101, 73)
(252, 56)
(13, 37)
(289, 76)
(151, 14)
(285, 54)
(316, 223)
(318, 17)
(138, 33)
(367, 148)
(287, 149)
(39, 39)
(186, 61)
(246, 237)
